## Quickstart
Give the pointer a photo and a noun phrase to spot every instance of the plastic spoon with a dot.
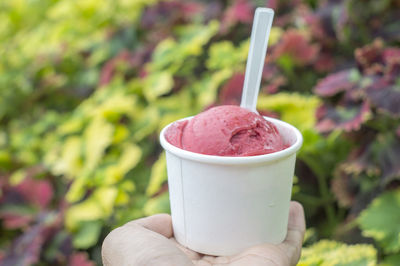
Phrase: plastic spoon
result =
(255, 60)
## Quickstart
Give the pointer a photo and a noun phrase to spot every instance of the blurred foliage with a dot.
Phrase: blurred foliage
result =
(86, 86)
(332, 253)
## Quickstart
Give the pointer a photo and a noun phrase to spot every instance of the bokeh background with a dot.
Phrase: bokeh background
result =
(86, 86)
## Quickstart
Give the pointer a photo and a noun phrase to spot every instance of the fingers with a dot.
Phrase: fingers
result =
(296, 217)
(265, 254)
(159, 223)
(295, 235)
(285, 254)
(143, 242)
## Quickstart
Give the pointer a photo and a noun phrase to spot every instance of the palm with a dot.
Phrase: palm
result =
(150, 241)
(267, 254)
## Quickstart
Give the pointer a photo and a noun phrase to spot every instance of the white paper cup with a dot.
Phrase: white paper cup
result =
(222, 205)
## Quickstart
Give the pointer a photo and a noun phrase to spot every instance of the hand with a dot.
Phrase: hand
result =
(150, 241)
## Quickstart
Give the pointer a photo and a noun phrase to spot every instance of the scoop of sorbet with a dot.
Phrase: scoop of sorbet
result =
(226, 130)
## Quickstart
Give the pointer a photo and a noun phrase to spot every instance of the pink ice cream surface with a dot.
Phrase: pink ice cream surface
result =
(226, 130)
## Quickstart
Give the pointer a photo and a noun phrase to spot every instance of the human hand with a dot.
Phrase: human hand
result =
(150, 241)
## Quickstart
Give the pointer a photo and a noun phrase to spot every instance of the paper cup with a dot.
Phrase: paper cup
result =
(222, 205)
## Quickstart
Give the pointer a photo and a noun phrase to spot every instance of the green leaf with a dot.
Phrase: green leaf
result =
(77, 189)
(87, 234)
(157, 84)
(171, 55)
(159, 204)
(194, 36)
(331, 253)
(286, 63)
(17, 177)
(98, 135)
(206, 89)
(69, 162)
(392, 260)
(163, 54)
(275, 35)
(158, 175)
(125, 193)
(116, 105)
(71, 126)
(87, 210)
(146, 123)
(98, 206)
(381, 221)
(223, 55)
(129, 158)
(295, 109)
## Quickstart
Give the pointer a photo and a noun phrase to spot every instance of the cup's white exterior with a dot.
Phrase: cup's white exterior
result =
(223, 205)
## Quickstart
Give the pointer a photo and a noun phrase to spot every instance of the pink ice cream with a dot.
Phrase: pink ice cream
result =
(226, 130)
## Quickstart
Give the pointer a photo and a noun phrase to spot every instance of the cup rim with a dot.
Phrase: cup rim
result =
(234, 160)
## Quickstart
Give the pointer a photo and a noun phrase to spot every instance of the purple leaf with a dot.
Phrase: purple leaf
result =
(26, 249)
(348, 118)
(273, 79)
(385, 97)
(387, 154)
(334, 83)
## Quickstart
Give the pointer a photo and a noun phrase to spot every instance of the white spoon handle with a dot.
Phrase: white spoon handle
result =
(255, 61)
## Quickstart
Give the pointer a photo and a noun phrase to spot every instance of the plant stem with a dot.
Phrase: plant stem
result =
(322, 186)
(310, 199)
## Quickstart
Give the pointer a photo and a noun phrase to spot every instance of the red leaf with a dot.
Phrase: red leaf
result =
(272, 78)
(296, 45)
(15, 221)
(390, 54)
(334, 83)
(39, 192)
(369, 58)
(272, 4)
(268, 113)
(324, 63)
(241, 11)
(133, 60)
(80, 259)
(231, 92)
(107, 72)
(348, 118)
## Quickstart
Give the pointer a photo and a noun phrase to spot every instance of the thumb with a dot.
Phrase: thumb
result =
(143, 242)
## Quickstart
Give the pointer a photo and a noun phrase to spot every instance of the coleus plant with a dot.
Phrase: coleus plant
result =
(151, 69)
(364, 103)
(33, 213)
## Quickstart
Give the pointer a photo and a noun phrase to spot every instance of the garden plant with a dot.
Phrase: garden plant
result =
(86, 86)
